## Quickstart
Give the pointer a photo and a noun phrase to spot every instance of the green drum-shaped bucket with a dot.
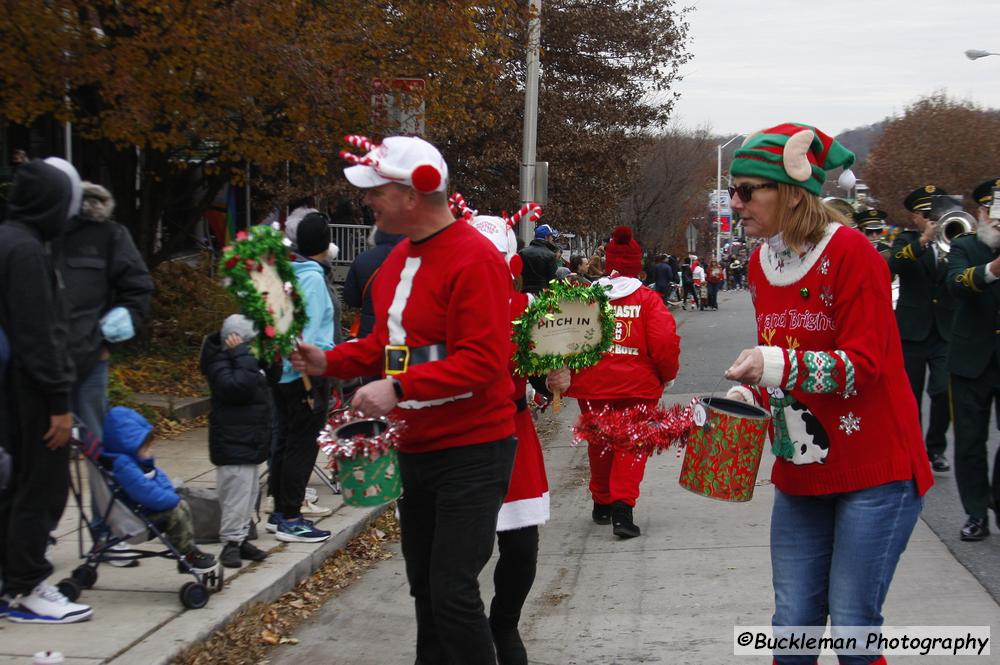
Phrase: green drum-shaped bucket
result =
(368, 482)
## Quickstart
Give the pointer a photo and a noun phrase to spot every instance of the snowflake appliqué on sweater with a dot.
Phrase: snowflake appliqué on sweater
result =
(824, 266)
(850, 424)
(826, 296)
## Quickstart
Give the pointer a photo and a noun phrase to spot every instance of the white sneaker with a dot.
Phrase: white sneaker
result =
(311, 494)
(46, 605)
(120, 555)
(310, 509)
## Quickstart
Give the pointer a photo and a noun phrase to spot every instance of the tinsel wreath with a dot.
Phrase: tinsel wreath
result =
(638, 429)
(360, 446)
(264, 244)
(546, 305)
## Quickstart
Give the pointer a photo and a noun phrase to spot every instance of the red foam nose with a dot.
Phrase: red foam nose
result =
(425, 178)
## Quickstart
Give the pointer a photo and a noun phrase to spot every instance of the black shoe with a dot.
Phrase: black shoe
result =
(510, 648)
(975, 529)
(939, 463)
(198, 561)
(251, 552)
(230, 557)
(601, 513)
(621, 521)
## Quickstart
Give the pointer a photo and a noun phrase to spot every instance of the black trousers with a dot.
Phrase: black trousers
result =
(513, 575)
(691, 290)
(298, 424)
(972, 400)
(448, 520)
(919, 357)
(34, 502)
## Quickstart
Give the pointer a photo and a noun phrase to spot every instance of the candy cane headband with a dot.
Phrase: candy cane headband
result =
(532, 209)
(456, 202)
(425, 177)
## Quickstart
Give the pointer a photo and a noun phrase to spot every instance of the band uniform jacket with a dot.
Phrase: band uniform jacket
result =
(976, 332)
(924, 299)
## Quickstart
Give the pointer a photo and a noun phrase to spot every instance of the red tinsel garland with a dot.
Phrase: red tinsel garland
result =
(638, 429)
(358, 446)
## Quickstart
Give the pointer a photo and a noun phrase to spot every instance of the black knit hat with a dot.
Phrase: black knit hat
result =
(312, 236)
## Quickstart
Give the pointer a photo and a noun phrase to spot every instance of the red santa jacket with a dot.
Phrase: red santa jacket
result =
(644, 354)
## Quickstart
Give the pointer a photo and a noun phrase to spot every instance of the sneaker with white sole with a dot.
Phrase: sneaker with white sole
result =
(300, 531)
(120, 555)
(310, 509)
(311, 495)
(45, 604)
(275, 518)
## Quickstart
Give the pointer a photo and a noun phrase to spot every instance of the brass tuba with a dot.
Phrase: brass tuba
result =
(950, 220)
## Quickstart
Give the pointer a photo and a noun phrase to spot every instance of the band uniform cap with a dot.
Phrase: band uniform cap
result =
(400, 159)
(983, 193)
(870, 220)
(920, 199)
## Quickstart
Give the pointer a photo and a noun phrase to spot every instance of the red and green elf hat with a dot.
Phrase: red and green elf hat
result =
(794, 154)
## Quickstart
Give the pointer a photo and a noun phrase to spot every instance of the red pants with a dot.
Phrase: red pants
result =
(614, 475)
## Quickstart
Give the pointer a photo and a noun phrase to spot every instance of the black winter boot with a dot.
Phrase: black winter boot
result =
(621, 521)
(601, 513)
(230, 557)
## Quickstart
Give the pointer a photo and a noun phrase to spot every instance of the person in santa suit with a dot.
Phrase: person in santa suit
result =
(642, 362)
(442, 343)
(851, 469)
(526, 505)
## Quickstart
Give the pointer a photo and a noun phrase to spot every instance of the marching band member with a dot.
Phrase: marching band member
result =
(851, 471)
(924, 315)
(973, 271)
(872, 224)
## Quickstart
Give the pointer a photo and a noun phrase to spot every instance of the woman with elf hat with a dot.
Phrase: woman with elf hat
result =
(642, 362)
(526, 505)
(851, 469)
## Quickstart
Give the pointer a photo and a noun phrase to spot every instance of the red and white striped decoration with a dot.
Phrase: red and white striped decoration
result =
(532, 209)
(359, 141)
(459, 208)
(354, 159)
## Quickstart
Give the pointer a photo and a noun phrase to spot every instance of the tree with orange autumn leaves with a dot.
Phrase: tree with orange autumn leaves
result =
(187, 93)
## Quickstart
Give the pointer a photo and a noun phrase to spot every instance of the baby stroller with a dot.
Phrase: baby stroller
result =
(113, 519)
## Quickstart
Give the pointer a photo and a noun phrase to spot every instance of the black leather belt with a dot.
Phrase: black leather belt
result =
(521, 404)
(399, 358)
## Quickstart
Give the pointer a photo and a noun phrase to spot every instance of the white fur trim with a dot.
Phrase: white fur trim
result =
(774, 366)
(619, 287)
(796, 148)
(847, 179)
(741, 394)
(523, 512)
(796, 268)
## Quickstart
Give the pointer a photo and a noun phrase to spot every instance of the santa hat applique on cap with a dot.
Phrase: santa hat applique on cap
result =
(794, 154)
(623, 254)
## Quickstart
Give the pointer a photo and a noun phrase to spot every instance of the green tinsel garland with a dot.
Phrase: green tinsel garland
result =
(546, 305)
(263, 244)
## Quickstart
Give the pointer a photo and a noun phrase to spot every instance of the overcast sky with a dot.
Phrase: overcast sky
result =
(835, 65)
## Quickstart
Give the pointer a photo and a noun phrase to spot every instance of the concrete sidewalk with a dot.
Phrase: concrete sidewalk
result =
(138, 616)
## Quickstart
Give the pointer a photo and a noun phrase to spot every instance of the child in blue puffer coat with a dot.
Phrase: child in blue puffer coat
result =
(128, 442)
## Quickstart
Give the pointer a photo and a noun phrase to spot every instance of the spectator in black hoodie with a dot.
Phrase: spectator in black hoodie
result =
(539, 260)
(39, 381)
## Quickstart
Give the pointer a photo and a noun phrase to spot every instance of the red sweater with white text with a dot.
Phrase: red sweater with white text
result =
(452, 288)
(645, 353)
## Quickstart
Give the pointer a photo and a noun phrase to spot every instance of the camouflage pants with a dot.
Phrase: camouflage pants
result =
(178, 526)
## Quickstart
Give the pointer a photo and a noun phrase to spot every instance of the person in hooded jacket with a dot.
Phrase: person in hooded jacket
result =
(301, 413)
(128, 454)
(357, 286)
(539, 260)
(642, 362)
(239, 430)
(39, 381)
(108, 289)
(291, 232)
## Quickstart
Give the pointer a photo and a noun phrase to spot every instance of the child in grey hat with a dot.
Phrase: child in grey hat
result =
(239, 431)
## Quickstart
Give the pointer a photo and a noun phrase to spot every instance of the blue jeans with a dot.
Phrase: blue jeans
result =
(90, 398)
(835, 554)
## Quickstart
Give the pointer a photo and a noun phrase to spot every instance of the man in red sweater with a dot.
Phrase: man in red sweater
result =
(441, 341)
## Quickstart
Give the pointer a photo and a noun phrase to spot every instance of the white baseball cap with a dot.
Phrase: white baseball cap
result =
(404, 160)
(498, 231)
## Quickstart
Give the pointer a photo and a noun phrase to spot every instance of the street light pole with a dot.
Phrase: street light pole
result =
(718, 197)
(526, 230)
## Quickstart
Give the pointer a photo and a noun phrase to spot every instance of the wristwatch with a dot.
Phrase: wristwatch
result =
(397, 387)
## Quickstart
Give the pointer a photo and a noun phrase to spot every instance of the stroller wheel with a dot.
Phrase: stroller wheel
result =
(215, 579)
(69, 588)
(194, 595)
(84, 576)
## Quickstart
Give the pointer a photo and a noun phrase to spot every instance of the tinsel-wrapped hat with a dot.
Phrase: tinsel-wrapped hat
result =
(794, 154)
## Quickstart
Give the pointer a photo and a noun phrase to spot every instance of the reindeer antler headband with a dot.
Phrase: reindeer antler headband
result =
(424, 176)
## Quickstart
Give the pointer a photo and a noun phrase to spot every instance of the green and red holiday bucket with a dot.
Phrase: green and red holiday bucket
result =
(371, 478)
(724, 448)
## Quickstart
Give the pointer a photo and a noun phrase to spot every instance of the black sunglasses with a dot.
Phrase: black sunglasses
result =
(746, 191)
